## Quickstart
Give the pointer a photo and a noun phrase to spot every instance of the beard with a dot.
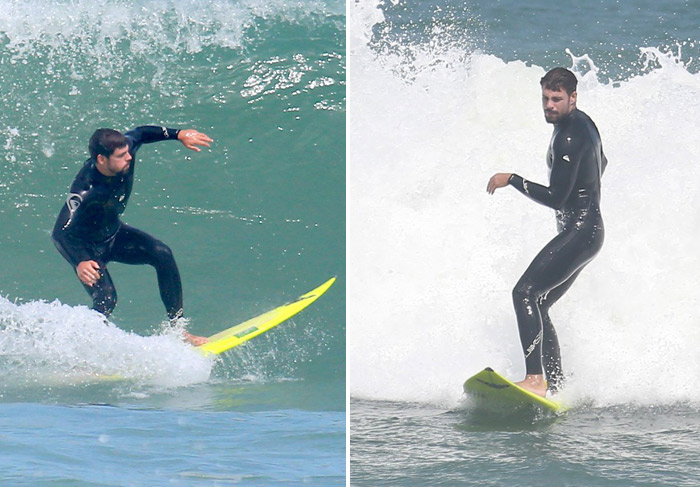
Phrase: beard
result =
(551, 117)
(554, 117)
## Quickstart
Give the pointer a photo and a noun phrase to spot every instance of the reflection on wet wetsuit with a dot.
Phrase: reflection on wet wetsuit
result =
(576, 162)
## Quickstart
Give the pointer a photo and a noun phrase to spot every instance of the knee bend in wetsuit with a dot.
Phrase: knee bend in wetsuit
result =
(133, 246)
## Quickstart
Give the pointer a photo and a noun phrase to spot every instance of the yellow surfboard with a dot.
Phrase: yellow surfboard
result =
(492, 392)
(241, 333)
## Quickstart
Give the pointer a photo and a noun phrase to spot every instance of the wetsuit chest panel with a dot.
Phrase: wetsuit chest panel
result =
(99, 201)
(103, 207)
(576, 140)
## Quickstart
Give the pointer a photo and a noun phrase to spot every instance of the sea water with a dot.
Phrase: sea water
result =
(443, 95)
(254, 221)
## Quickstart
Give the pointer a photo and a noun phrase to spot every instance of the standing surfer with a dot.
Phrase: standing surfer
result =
(89, 233)
(576, 163)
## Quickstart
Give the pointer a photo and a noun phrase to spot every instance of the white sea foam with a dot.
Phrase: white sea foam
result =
(52, 343)
(432, 258)
(161, 26)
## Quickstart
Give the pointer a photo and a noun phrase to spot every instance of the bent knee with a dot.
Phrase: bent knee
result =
(524, 293)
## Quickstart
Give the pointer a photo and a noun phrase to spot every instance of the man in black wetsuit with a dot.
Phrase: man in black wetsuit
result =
(88, 232)
(576, 163)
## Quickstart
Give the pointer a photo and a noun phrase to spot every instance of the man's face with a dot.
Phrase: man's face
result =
(557, 104)
(117, 163)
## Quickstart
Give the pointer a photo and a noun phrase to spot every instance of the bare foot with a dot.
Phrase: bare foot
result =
(194, 339)
(534, 383)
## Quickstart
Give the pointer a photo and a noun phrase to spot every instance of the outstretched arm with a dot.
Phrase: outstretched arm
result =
(147, 134)
(554, 196)
(566, 159)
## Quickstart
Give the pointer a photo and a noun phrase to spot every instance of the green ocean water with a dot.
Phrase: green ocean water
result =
(255, 221)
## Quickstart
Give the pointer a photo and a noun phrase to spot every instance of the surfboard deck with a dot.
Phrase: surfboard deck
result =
(492, 392)
(241, 333)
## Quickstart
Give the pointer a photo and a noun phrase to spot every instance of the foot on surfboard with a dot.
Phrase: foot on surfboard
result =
(490, 391)
(535, 384)
(194, 339)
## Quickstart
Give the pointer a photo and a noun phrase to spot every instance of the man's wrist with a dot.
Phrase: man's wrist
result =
(171, 133)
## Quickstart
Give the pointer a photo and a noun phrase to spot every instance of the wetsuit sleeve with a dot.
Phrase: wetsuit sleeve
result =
(566, 158)
(147, 134)
(73, 248)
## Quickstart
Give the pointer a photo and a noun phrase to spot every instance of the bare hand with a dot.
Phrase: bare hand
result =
(88, 272)
(191, 138)
(498, 180)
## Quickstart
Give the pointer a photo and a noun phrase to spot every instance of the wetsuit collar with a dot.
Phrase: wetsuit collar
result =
(568, 117)
(97, 175)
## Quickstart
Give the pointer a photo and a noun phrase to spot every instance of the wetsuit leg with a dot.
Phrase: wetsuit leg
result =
(103, 293)
(558, 262)
(136, 247)
(551, 358)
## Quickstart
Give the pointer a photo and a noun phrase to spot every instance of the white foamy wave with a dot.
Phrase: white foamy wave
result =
(433, 257)
(161, 26)
(54, 343)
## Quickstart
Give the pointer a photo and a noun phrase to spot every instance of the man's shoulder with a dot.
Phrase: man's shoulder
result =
(85, 176)
(578, 124)
(579, 117)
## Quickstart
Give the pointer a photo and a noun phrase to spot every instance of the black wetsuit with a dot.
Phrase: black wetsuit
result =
(576, 162)
(88, 228)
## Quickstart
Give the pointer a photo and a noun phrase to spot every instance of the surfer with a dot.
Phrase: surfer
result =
(576, 163)
(89, 233)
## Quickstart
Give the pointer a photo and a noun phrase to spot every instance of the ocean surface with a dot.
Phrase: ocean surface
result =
(442, 95)
(255, 221)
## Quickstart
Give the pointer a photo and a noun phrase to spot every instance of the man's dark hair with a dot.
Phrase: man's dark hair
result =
(105, 142)
(559, 78)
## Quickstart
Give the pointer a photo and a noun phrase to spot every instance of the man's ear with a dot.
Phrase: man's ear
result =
(102, 160)
(572, 99)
